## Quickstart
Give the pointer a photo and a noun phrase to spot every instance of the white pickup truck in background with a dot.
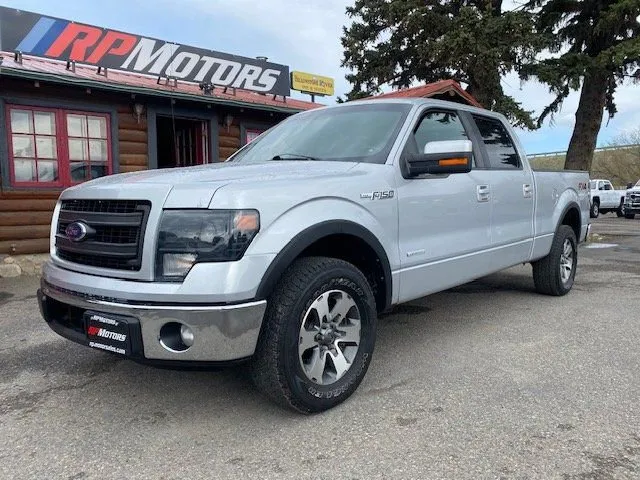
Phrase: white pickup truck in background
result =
(605, 198)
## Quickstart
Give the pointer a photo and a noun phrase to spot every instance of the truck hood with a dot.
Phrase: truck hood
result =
(228, 172)
(194, 187)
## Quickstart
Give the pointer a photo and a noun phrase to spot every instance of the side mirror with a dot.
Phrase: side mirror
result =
(442, 157)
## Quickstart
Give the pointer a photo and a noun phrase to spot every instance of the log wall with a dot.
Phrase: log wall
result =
(25, 219)
(133, 143)
(228, 141)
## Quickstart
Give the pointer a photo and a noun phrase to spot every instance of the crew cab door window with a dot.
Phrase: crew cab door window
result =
(501, 152)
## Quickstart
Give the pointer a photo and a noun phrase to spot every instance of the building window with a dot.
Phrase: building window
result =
(252, 134)
(57, 148)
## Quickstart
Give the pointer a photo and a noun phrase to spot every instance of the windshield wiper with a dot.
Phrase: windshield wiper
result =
(293, 156)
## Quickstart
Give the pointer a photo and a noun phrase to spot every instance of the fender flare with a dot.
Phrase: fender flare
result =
(572, 205)
(308, 237)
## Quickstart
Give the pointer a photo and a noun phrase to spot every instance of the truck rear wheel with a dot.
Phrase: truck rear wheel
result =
(595, 209)
(630, 216)
(318, 335)
(555, 273)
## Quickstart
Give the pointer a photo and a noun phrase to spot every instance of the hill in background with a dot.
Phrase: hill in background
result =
(620, 164)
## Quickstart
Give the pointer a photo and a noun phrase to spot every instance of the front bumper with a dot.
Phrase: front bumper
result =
(223, 333)
(631, 208)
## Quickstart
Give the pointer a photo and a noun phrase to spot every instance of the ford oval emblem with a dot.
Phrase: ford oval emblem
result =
(76, 231)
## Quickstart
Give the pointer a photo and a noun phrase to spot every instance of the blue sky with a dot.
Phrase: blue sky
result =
(305, 36)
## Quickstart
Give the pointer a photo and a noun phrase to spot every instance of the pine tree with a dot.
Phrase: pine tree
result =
(595, 46)
(398, 42)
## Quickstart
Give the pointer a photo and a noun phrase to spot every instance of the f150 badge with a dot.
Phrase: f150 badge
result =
(384, 195)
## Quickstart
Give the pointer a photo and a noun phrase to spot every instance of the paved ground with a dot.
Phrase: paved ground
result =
(489, 380)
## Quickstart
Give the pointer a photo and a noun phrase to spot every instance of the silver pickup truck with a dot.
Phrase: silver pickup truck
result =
(284, 255)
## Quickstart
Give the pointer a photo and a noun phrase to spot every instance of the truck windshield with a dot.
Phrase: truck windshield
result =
(353, 133)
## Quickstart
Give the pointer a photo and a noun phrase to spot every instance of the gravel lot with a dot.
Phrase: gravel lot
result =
(489, 380)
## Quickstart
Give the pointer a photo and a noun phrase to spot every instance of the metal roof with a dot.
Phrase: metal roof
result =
(431, 89)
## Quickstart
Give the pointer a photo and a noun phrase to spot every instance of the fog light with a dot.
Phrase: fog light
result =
(187, 335)
(176, 337)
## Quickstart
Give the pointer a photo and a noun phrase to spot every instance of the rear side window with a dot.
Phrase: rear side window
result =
(500, 149)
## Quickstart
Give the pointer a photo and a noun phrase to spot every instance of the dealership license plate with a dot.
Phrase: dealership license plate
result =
(108, 333)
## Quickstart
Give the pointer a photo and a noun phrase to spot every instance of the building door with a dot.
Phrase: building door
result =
(182, 142)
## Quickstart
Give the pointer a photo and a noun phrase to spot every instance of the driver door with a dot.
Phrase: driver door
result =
(444, 220)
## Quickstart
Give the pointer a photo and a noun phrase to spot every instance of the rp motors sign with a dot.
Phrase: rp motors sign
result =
(38, 35)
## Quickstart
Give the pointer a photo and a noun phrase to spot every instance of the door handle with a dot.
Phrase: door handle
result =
(527, 190)
(483, 193)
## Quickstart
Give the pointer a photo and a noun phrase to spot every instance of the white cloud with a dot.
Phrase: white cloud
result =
(311, 30)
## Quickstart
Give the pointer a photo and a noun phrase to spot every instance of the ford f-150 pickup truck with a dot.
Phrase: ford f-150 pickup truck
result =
(632, 202)
(284, 255)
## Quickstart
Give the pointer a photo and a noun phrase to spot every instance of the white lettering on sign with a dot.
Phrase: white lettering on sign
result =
(226, 72)
(176, 67)
(144, 55)
(268, 80)
(146, 58)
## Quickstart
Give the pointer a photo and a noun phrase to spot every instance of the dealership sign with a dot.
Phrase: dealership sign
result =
(42, 36)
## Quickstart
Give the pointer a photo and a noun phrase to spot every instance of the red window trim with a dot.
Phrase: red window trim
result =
(252, 130)
(62, 147)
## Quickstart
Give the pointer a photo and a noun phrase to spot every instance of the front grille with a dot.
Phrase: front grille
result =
(633, 199)
(116, 233)
(109, 234)
(101, 206)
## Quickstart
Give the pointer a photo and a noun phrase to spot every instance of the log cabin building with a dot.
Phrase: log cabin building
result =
(78, 102)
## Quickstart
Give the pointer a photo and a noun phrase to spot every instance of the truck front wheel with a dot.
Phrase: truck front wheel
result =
(318, 335)
(555, 273)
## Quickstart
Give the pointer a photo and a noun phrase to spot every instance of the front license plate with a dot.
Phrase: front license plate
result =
(107, 332)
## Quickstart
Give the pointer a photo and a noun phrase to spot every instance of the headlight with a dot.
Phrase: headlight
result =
(187, 237)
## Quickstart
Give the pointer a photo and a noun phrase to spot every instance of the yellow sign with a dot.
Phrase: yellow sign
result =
(309, 83)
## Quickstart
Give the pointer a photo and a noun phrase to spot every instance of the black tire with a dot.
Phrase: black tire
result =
(595, 209)
(630, 216)
(276, 368)
(620, 210)
(546, 271)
